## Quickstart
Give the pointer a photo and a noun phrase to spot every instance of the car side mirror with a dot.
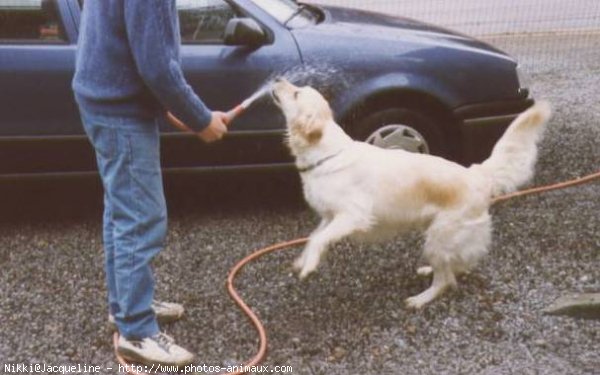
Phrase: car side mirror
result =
(244, 32)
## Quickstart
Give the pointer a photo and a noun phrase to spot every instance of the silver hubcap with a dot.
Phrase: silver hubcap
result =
(398, 136)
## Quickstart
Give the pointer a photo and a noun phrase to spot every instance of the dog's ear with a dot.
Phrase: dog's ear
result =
(310, 127)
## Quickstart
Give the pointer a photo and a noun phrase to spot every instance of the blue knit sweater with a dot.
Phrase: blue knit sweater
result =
(128, 62)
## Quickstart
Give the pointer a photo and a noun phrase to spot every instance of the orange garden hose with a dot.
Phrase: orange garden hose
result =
(262, 349)
(541, 189)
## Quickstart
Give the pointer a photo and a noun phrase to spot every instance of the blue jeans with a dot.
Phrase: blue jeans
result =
(135, 215)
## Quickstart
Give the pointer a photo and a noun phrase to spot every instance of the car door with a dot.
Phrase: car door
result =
(223, 76)
(37, 55)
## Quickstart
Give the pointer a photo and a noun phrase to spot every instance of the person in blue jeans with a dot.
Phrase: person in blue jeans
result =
(127, 76)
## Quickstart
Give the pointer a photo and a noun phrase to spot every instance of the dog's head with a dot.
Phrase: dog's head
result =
(306, 112)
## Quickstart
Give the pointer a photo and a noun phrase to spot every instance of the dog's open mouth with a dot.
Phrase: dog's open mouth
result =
(275, 97)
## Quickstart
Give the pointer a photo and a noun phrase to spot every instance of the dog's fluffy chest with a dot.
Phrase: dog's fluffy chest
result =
(332, 189)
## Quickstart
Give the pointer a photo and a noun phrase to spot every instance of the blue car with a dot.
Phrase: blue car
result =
(391, 81)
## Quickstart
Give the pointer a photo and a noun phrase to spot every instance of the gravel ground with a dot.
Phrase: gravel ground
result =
(349, 318)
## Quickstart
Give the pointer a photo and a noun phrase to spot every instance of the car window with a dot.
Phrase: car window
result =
(203, 21)
(30, 21)
(289, 12)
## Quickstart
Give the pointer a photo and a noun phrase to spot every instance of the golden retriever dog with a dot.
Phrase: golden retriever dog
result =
(359, 189)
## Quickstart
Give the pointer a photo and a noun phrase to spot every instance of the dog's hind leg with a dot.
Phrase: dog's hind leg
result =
(443, 277)
(453, 245)
(338, 228)
(437, 254)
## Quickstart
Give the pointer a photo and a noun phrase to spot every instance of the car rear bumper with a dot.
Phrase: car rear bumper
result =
(481, 125)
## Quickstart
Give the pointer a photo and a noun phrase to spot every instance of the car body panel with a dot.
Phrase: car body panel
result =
(37, 95)
(455, 69)
(367, 53)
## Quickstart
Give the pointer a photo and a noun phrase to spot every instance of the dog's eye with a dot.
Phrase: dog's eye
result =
(296, 93)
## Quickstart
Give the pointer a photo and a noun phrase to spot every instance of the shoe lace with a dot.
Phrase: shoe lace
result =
(164, 340)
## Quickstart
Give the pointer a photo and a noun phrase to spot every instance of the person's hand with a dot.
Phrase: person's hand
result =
(216, 128)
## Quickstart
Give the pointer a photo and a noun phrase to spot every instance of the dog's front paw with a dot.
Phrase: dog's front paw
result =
(298, 263)
(305, 272)
(415, 302)
(310, 263)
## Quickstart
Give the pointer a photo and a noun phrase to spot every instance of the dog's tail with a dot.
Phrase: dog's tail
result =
(513, 157)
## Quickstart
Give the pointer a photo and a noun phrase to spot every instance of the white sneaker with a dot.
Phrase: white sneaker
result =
(159, 349)
(166, 312)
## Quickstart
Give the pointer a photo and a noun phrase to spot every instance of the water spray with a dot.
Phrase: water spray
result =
(324, 77)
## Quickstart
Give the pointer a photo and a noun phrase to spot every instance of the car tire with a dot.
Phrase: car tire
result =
(403, 127)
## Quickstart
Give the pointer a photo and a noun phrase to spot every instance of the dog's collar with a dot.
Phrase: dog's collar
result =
(317, 164)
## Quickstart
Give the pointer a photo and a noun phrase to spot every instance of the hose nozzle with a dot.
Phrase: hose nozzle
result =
(235, 112)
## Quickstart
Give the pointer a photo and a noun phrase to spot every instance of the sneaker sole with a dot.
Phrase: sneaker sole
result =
(133, 357)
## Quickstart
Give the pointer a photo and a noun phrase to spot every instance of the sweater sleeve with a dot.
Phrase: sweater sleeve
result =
(153, 35)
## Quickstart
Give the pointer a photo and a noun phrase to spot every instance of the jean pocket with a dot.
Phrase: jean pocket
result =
(144, 149)
(103, 138)
(145, 171)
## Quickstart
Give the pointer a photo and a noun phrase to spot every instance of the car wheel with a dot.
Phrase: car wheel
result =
(402, 128)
